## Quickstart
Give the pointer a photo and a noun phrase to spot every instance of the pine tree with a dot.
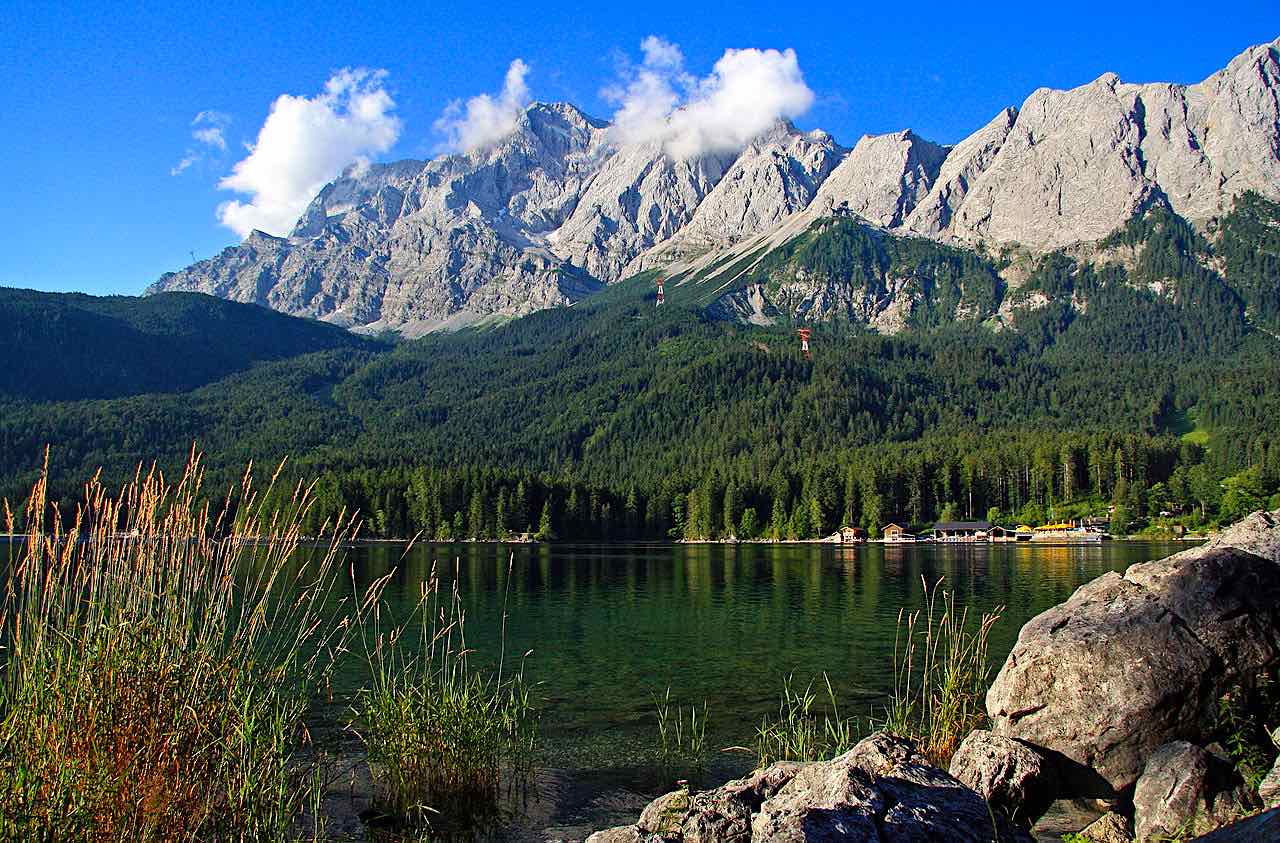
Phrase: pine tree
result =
(500, 515)
(730, 510)
(475, 516)
(520, 508)
(816, 526)
(778, 520)
(545, 531)
(631, 512)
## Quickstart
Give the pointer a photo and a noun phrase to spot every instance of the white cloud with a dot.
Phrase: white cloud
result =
(210, 136)
(306, 142)
(745, 93)
(484, 120)
(187, 160)
(207, 129)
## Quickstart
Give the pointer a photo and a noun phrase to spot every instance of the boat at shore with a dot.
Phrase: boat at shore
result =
(1066, 532)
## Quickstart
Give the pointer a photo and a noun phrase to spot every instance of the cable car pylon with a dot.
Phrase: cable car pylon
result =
(804, 342)
(661, 296)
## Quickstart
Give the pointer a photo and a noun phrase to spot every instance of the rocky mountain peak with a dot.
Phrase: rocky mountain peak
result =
(557, 207)
(883, 178)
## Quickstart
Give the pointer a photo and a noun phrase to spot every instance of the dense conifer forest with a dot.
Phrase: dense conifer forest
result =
(1143, 391)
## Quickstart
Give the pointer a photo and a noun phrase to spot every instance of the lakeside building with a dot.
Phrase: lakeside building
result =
(961, 531)
(851, 535)
(895, 534)
(1021, 533)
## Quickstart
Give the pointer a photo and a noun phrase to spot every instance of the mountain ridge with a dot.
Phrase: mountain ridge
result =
(557, 209)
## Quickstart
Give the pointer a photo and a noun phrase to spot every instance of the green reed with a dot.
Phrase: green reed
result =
(682, 737)
(799, 733)
(444, 737)
(941, 673)
(156, 662)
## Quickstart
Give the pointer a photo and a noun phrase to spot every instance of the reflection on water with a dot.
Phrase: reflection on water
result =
(609, 625)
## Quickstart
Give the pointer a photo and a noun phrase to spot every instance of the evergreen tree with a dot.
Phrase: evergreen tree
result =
(545, 531)
(730, 510)
(816, 521)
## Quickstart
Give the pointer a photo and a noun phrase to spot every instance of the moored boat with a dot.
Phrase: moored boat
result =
(1066, 532)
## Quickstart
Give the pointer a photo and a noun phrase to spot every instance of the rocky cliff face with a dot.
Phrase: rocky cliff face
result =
(557, 209)
(1074, 165)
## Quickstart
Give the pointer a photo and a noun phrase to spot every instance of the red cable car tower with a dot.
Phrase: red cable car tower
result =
(661, 296)
(804, 341)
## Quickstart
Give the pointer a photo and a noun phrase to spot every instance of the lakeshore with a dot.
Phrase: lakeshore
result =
(612, 624)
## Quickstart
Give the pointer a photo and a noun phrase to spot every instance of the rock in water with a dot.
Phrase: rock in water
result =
(1013, 778)
(1185, 790)
(1130, 663)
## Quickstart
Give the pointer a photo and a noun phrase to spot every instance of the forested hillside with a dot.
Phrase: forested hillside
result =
(1134, 378)
(67, 346)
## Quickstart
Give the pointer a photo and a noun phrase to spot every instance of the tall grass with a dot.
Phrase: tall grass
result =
(798, 733)
(444, 737)
(941, 672)
(156, 661)
(682, 737)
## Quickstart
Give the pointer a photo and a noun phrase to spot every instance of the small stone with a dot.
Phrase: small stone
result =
(1109, 828)
(617, 834)
(1011, 776)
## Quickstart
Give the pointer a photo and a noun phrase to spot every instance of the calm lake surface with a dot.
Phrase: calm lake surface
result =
(611, 625)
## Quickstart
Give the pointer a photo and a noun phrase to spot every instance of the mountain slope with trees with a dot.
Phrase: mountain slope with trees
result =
(69, 346)
(618, 418)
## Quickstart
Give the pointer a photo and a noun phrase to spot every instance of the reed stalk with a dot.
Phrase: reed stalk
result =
(941, 673)
(445, 738)
(157, 656)
(799, 733)
(682, 737)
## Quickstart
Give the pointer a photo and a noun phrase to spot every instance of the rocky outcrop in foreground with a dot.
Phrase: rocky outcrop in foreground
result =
(1118, 688)
(882, 789)
(1132, 662)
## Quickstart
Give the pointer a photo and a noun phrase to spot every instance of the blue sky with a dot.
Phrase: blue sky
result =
(101, 100)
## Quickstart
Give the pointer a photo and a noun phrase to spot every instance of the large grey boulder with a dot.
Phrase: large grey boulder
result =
(881, 790)
(1013, 778)
(724, 814)
(1186, 790)
(662, 817)
(1130, 663)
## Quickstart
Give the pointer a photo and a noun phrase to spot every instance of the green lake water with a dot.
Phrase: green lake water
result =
(611, 625)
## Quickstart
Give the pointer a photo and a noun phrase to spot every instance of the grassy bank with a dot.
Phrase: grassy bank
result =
(157, 663)
(159, 656)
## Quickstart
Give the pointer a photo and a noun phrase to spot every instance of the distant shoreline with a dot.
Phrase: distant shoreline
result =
(672, 542)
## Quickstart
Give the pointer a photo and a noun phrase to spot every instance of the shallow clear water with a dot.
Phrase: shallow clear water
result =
(611, 625)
